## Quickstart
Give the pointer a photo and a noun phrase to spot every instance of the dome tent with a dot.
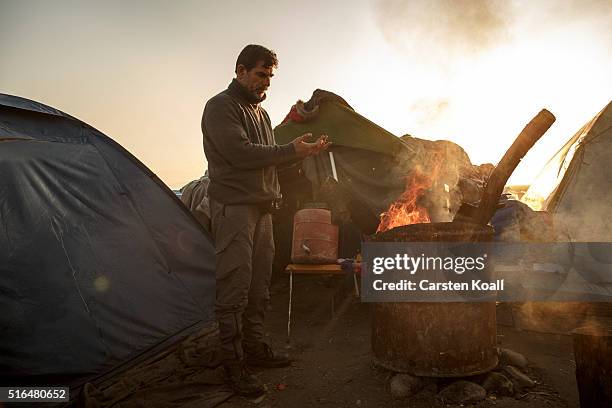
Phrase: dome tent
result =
(576, 183)
(99, 261)
(575, 186)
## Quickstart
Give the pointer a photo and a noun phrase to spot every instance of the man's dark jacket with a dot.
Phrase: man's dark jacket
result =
(240, 148)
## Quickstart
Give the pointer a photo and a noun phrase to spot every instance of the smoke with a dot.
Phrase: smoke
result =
(561, 12)
(450, 28)
(556, 317)
(429, 28)
(471, 68)
(429, 110)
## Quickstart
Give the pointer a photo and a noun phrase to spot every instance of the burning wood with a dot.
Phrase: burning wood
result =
(406, 209)
(409, 209)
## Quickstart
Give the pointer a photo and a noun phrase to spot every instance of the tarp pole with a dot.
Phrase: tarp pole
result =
(333, 166)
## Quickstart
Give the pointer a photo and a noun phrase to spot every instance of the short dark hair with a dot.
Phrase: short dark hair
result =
(253, 53)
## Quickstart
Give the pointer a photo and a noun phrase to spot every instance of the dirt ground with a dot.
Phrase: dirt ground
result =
(334, 367)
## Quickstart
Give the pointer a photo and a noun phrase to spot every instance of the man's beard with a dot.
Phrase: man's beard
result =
(252, 97)
(258, 98)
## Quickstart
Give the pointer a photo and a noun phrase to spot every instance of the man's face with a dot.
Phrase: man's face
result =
(255, 80)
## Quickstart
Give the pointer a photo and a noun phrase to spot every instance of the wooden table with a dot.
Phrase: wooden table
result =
(322, 269)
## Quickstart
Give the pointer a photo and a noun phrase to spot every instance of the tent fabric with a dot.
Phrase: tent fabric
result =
(29, 105)
(306, 111)
(576, 183)
(98, 258)
(366, 175)
(344, 127)
(575, 186)
(371, 163)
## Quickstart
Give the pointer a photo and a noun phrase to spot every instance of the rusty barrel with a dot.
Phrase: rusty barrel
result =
(593, 355)
(435, 339)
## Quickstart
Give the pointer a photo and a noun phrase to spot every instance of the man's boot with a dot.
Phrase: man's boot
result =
(241, 382)
(262, 355)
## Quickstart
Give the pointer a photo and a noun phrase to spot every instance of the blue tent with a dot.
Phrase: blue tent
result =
(99, 260)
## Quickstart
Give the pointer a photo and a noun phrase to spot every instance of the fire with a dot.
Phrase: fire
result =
(406, 209)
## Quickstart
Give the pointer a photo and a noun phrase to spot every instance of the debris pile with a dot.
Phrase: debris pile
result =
(185, 375)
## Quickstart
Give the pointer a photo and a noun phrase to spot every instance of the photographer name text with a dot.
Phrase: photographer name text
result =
(426, 285)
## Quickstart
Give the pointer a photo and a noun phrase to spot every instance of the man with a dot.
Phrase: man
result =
(242, 158)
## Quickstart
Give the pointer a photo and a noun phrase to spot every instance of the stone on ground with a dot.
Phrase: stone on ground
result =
(521, 379)
(405, 385)
(498, 384)
(463, 392)
(513, 358)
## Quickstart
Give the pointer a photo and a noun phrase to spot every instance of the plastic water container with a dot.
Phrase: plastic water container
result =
(315, 238)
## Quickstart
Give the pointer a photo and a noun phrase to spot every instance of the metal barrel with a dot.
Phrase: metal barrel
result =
(435, 339)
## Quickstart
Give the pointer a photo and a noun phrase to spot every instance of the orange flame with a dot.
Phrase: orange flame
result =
(405, 210)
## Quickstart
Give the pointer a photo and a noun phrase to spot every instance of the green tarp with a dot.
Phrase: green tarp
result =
(345, 127)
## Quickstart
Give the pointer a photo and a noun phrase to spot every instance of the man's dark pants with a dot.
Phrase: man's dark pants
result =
(244, 247)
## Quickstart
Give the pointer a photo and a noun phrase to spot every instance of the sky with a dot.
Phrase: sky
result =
(473, 72)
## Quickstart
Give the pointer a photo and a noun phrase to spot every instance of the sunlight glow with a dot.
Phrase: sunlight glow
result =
(471, 72)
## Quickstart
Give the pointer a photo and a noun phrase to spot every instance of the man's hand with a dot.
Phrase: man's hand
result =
(304, 148)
